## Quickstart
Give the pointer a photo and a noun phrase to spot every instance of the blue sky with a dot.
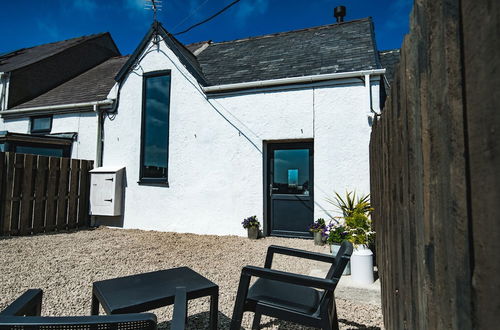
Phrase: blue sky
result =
(28, 23)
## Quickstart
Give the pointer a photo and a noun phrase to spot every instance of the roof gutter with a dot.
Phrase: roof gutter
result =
(290, 81)
(92, 104)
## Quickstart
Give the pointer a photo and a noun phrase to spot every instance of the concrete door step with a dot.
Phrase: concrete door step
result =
(350, 290)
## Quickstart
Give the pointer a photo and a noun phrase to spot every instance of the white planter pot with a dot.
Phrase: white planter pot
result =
(334, 248)
(362, 265)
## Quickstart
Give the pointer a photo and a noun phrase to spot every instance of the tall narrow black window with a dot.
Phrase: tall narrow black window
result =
(155, 123)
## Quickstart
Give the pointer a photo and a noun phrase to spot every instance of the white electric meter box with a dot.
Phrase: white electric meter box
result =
(106, 191)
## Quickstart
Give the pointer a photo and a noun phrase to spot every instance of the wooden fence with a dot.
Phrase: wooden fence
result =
(435, 171)
(43, 194)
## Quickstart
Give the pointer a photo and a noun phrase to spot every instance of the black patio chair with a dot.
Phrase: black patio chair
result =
(288, 296)
(24, 313)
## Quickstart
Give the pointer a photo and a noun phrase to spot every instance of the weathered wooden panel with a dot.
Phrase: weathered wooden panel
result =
(42, 193)
(25, 223)
(434, 156)
(73, 193)
(3, 172)
(52, 188)
(62, 195)
(7, 197)
(15, 199)
(481, 28)
(84, 193)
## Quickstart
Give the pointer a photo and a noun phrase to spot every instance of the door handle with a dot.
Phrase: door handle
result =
(109, 200)
(271, 189)
(110, 179)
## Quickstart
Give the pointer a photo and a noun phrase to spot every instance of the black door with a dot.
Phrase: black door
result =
(290, 203)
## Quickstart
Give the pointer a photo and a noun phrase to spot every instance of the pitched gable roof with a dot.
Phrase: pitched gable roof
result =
(92, 85)
(340, 47)
(26, 56)
(185, 56)
(333, 48)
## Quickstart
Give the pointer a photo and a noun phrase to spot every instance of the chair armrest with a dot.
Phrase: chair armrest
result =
(28, 304)
(179, 317)
(277, 275)
(271, 250)
(148, 320)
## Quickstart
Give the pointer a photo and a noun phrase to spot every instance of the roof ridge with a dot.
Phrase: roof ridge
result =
(390, 50)
(89, 36)
(319, 27)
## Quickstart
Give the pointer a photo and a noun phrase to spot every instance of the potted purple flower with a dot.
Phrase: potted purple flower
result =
(251, 224)
(317, 229)
(334, 233)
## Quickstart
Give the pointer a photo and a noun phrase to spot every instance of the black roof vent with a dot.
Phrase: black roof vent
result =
(339, 13)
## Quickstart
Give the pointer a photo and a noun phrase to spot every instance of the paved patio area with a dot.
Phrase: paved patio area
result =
(65, 265)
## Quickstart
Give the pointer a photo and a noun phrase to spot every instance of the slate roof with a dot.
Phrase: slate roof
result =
(333, 48)
(389, 59)
(92, 85)
(340, 47)
(26, 56)
(198, 47)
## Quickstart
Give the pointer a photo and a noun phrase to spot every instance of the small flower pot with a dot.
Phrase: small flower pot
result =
(253, 232)
(318, 238)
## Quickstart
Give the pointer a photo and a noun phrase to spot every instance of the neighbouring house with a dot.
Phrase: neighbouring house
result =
(50, 94)
(213, 132)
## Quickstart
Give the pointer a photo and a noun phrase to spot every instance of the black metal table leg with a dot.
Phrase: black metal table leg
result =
(214, 310)
(95, 305)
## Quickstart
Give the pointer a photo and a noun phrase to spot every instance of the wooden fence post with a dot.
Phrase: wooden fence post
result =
(25, 216)
(42, 175)
(73, 193)
(3, 172)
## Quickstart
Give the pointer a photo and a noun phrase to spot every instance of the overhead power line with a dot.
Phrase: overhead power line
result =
(208, 19)
(190, 14)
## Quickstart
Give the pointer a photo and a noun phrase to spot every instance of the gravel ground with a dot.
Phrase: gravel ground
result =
(64, 265)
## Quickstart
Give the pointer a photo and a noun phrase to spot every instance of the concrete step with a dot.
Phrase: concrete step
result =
(350, 290)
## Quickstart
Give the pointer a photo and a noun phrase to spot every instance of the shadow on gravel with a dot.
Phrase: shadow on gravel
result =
(283, 325)
(200, 321)
(52, 233)
(356, 325)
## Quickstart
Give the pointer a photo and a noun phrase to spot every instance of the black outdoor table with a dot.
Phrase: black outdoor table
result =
(147, 291)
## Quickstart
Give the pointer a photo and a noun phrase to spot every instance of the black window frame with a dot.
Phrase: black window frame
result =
(40, 131)
(163, 181)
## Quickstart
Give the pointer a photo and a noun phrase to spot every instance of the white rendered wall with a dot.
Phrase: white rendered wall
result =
(215, 149)
(85, 124)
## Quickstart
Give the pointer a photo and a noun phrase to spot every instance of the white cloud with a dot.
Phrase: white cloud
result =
(135, 4)
(49, 29)
(251, 7)
(136, 10)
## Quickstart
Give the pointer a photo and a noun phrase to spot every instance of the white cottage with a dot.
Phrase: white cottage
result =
(213, 132)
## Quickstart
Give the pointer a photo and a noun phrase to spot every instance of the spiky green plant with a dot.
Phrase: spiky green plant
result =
(350, 205)
(359, 227)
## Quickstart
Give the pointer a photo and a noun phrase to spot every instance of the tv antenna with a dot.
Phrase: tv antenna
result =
(154, 5)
